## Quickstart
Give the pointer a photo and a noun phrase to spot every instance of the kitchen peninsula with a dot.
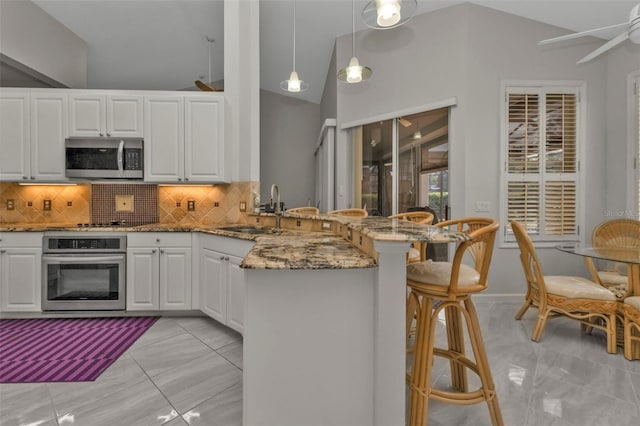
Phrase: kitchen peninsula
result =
(324, 315)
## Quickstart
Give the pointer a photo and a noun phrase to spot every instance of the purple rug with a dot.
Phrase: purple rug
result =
(64, 350)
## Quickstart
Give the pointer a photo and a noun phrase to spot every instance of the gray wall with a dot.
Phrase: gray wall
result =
(622, 61)
(289, 131)
(465, 51)
(31, 37)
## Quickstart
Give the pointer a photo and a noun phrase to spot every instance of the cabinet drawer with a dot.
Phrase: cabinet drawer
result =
(21, 239)
(157, 239)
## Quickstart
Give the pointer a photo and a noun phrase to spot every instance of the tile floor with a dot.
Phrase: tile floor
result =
(189, 371)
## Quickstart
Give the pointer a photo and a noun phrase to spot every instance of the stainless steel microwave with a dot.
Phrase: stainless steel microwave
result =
(104, 158)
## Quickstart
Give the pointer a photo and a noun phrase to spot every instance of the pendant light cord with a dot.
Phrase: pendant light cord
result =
(294, 35)
(353, 28)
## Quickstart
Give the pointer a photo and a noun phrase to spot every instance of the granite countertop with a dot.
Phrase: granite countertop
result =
(286, 248)
(305, 250)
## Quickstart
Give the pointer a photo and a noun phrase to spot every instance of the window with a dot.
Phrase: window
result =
(637, 153)
(541, 139)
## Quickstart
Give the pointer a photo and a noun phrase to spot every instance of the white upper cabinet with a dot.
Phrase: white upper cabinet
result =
(184, 138)
(164, 138)
(204, 136)
(33, 126)
(48, 132)
(14, 136)
(110, 115)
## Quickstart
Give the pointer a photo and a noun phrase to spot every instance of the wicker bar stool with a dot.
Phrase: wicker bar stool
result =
(631, 310)
(451, 285)
(349, 212)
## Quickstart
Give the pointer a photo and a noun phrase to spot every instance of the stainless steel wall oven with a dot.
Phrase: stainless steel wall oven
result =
(83, 271)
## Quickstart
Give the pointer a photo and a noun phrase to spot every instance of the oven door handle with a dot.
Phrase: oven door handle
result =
(82, 259)
(121, 157)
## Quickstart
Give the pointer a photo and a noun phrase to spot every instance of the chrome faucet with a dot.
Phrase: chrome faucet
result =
(276, 210)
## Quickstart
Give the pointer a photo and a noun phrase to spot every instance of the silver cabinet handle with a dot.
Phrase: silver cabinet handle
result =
(108, 134)
(24, 177)
(179, 179)
(32, 178)
(221, 257)
(153, 251)
(100, 134)
(226, 258)
(121, 157)
(186, 179)
(161, 251)
(3, 251)
(157, 240)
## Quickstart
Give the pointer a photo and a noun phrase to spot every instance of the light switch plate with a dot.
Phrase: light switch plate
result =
(124, 203)
(482, 206)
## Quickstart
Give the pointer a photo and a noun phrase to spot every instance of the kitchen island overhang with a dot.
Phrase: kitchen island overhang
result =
(325, 343)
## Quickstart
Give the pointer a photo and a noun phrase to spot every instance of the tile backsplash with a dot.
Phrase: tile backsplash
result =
(86, 203)
(143, 208)
(69, 204)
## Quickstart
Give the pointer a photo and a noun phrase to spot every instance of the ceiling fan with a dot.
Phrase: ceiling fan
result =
(208, 86)
(631, 32)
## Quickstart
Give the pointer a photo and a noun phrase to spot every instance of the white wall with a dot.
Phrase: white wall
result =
(289, 130)
(242, 88)
(465, 51)
(31, 37)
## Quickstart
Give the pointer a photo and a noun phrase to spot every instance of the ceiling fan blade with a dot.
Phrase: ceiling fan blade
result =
(405, 122)
(580, 34)
(608, 45)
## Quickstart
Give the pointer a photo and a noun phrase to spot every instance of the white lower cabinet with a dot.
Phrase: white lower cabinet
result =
(222, 281)
(20, 272)
(158, 271)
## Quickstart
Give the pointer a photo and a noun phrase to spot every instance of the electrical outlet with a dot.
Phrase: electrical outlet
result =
(216, 204)
(243, 206)
(178, 204)
(11, 204)
(191, 205)
(29, 203)
(482, 206)
(46, 205)
(69, 203)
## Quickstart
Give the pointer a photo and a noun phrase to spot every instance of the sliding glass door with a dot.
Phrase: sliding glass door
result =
(402, 164)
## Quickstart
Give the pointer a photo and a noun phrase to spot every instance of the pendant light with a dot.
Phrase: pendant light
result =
(294, 84)
(354, 72)
(385, 14)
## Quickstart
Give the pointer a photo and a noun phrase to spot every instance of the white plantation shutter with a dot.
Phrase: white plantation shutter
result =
(541, 162)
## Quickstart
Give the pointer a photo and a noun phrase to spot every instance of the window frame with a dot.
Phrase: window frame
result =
(507, 239)
(633, 146)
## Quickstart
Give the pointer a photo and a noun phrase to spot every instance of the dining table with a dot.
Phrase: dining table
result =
(627, 255)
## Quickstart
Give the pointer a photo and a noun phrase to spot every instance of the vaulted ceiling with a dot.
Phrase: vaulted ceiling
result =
(162, 44)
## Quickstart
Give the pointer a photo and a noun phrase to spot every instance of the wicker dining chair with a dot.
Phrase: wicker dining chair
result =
(448, 286)
(304, 211)
(631, 312)
(574, 297)
(418, 251)
(349, 212)
(614, 233)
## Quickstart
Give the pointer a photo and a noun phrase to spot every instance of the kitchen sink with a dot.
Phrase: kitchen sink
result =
(248, 229)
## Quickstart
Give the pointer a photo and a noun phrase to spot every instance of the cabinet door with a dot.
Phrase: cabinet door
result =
(142, 279)
(87, 115)
(48, 132)
(236, 282)
(204, 147)
(14, 136)
(124, 116)
(175, 278)
(164, 139)
(213, 284)
(20, 279)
